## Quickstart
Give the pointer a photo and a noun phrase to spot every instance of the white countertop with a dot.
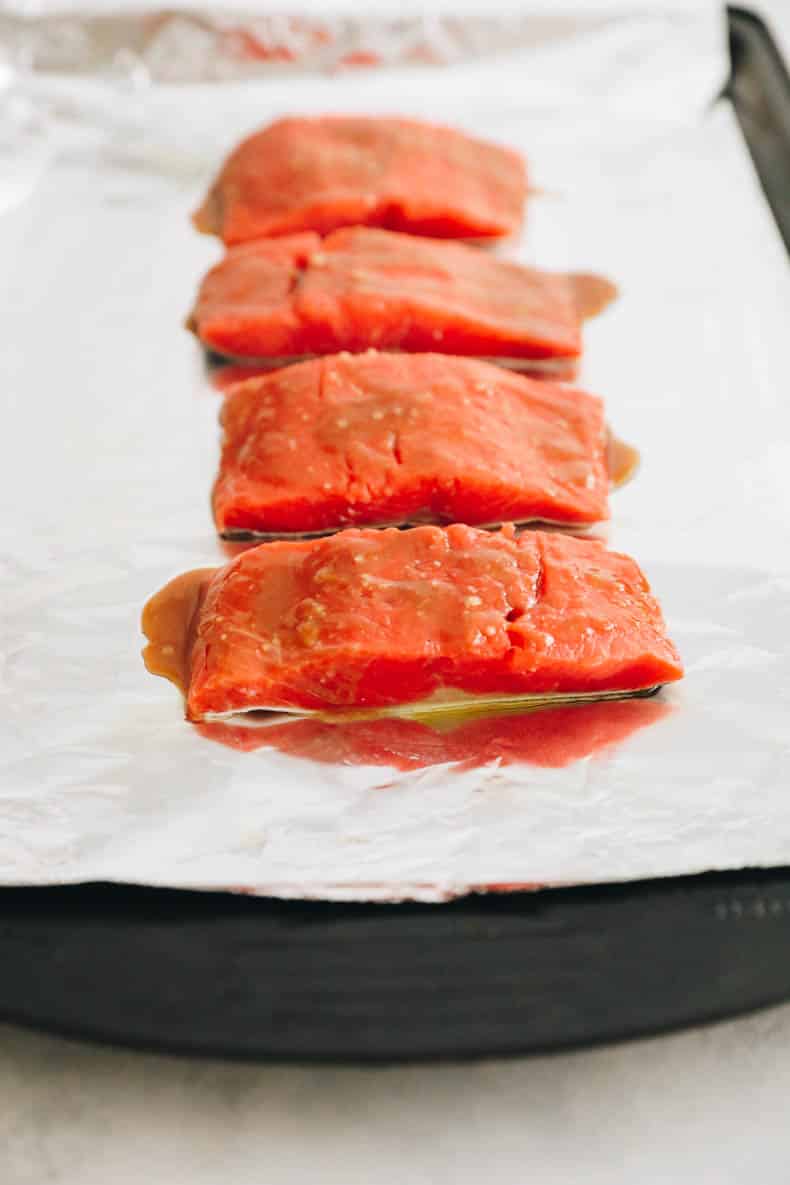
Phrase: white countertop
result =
(709, 1105)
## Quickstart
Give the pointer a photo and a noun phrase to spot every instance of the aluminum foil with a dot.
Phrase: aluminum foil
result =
(202, 46)
(110, 444)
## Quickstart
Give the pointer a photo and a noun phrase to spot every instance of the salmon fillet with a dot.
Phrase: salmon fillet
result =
(381, 439)
(379, 619)
(362, 288)
(323, 173)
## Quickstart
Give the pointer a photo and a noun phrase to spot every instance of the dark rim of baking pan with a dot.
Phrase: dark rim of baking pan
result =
(213, 974)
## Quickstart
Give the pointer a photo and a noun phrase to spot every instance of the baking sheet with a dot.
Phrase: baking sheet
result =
(110, 445)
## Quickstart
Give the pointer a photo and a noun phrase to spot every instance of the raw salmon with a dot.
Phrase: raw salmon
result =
(382, 619)
(386, 439)
(332, 171)
(360, 288)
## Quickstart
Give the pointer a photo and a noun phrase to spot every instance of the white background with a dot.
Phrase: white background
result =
(707, 1106)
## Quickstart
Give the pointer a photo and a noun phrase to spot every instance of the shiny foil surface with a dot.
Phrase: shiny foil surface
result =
(110, 444)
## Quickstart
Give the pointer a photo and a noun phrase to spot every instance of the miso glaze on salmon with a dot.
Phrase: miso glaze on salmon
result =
(359, 288)
(323, 173)
(387, 439)
(383, 619)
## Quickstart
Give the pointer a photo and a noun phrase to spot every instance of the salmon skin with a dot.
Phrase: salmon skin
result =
(551, 737)
(382, 619)
(332, 171)
(387, 439)
(362, 288)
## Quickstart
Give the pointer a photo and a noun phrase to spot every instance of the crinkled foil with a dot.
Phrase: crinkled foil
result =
(110, 443)
(194, 46)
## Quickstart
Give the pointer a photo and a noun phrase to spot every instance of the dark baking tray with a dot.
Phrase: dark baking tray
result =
(759, 88)
(524, 972)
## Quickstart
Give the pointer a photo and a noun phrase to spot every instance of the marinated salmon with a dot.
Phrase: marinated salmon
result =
(387, 439)
(391, 619)
(298, 296)
(323, 173)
